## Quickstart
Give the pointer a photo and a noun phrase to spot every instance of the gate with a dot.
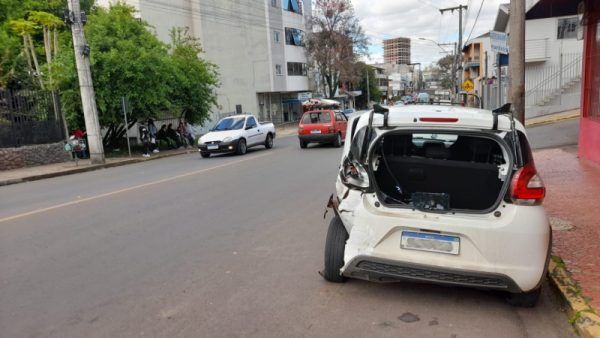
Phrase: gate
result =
(29, 117)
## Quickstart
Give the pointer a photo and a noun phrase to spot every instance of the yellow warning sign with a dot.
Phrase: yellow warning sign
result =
(468, 85)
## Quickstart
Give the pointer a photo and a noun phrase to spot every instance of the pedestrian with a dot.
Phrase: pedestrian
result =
(153, 136)
(145, 138)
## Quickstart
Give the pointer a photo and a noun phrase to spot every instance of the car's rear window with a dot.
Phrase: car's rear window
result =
(316, 117)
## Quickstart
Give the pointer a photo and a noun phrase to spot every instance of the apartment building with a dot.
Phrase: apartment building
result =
(396, 51)
(257, 45)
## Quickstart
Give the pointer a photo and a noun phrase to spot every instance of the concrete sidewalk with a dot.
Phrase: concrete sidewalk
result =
(572, 203)
(67, 168)
(552, 118)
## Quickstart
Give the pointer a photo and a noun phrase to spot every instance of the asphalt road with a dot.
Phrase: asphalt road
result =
(220, 247)
(564, 133)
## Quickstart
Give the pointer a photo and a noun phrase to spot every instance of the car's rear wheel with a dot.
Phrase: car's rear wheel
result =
(205, 155)
(269, 141)
(338, 141)
(241, 147)
(335, 244)
(303, 144)
(524, 299)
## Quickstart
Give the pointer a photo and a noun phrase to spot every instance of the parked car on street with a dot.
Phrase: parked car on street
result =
(236, 134)
(322, 126)
(439, 194)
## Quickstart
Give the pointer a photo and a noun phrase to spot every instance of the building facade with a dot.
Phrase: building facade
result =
(257, 45)
(553, 56)
(396, 51)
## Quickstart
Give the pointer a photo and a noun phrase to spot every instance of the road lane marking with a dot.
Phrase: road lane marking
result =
(135, 187)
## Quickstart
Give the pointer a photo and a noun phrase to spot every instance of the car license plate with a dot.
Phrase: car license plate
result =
(212, 146)
(315, 131)
(424, 241)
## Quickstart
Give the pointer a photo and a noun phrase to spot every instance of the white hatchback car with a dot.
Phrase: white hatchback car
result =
(440, 194)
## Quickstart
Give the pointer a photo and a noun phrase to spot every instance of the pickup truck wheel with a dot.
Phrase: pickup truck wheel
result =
(303, 144)
(338, 141)
(269, 141)
(335, 244)
(205, 155)
(524, 299)
(241, 147)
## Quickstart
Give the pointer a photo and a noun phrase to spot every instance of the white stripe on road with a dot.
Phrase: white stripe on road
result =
(135, 187)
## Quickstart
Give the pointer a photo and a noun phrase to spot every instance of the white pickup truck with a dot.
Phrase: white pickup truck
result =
(235, 134)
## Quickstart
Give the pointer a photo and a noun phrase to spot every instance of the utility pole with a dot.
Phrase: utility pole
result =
(460, 10)
(368, 89)
(516, 61)
(86, 88)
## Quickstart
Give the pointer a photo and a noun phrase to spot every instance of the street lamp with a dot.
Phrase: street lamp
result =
(440, 44)
(455, 60)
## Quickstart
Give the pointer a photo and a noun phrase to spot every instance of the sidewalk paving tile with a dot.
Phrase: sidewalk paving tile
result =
(572, 200)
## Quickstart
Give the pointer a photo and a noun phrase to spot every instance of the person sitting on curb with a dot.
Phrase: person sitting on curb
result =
(173, 135)
(186, 137)
(163, 136)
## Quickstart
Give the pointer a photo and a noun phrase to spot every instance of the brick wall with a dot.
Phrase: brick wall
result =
(26, 156)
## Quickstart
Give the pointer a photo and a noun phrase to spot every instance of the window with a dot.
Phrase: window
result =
(230, 123)
(274, 3)
(292, 6)
(316, 117)
(340, 117)
(567, 28)
(278, 70)
(296, 69)
(276, 36)
(294, 37)
(251, 122)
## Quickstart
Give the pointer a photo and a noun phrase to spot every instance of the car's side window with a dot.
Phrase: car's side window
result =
(339, 117)
(251, 122)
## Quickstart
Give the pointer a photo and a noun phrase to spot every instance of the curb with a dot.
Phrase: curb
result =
(551, 120)
(581, 315)
(89, 168)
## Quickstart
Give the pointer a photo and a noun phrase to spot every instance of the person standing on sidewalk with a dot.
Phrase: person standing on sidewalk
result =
(145, 137)
(152, 133)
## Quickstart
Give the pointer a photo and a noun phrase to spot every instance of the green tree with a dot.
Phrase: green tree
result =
(128, 60)
(361, 80)
(194, 80)
(446, 66)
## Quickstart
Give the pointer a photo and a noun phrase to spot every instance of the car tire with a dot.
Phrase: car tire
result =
(335, 245)
(524, 299)
(338, 141)
(205, 155)
(241, 147)
(269, 141)
(303, 144)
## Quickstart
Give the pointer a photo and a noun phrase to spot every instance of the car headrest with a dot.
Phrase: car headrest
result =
(436, 150)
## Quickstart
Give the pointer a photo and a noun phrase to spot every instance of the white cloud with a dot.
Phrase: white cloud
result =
(415, 19)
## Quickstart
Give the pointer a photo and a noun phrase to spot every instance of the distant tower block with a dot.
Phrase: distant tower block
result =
(396, 51)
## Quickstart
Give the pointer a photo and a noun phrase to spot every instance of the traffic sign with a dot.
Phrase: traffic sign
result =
(468, 85)
(498, 42)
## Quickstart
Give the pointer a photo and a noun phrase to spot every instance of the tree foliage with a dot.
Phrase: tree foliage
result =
(373, 86)
(446, 66)
(127, 60)
(336, 42)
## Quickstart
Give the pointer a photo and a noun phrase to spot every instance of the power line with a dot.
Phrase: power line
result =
(476, 18)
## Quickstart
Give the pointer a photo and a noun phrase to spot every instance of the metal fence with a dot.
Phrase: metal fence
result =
(545, 82)
(29, 117)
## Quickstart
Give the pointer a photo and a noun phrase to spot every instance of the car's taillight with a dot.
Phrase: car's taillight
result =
(527, 187)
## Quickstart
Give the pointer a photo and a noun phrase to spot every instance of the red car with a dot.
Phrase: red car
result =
(322, 126)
